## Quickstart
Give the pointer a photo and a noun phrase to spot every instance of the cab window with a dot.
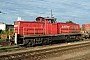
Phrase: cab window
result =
(38, 20)
(42, 19)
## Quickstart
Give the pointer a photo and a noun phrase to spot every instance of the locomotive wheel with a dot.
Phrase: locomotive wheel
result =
(47, 41)
(28, 42)
(32, 42)
(77, 38)
(25, 42)
(50, 40)
(44, 41)
(67, 39)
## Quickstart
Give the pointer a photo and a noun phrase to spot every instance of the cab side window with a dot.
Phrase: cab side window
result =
(42, 19)
(38, 20)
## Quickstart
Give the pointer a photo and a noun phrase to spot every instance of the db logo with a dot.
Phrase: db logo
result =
(65, 26)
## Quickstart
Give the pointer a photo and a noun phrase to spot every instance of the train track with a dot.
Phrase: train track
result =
(38, 53)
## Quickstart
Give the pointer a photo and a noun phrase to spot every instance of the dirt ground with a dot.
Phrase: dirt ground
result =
(80, 55)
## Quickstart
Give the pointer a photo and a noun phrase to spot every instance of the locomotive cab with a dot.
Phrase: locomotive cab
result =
(51, 20)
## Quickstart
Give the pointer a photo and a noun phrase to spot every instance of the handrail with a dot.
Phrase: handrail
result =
(34, 29)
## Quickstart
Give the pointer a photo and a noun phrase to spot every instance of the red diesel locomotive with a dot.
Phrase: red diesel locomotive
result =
(45, 30)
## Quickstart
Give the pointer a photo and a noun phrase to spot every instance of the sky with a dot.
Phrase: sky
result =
(77, 11)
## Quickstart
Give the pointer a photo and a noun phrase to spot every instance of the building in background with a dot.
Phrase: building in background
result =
(4, 26)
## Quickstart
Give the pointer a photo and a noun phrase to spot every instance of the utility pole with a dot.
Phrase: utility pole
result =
(51, 14)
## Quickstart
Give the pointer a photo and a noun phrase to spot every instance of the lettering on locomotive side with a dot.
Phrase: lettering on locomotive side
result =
(65, 26)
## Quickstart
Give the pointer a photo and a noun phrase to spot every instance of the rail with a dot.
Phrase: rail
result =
(31, 54)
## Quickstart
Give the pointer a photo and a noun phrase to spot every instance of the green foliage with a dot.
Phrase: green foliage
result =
(69, 21)
(7, 32)
(4, 32)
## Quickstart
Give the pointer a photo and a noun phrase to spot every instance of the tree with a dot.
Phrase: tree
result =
(69, 21)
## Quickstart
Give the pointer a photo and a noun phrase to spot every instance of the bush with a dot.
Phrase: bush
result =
(5, 33)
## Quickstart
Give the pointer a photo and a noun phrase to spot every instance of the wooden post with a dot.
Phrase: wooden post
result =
(16, 38)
